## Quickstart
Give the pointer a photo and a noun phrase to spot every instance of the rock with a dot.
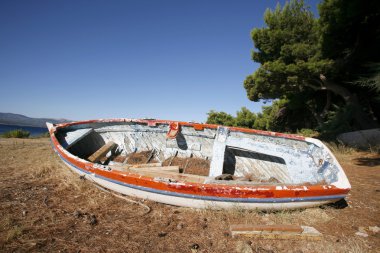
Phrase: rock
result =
(374, 229)
(93, 220)
(361, 139)
(24, 212)
(361, 234)
(180, 225)
(162, 234)
(268, 250)
(194, 247)
(77, 214)
(362, 230)
(243, 247)
(204, 223)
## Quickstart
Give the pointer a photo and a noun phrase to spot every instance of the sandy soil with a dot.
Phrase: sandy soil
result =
(44, 207)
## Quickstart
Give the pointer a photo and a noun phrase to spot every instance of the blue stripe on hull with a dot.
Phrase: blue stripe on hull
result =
(210, 198)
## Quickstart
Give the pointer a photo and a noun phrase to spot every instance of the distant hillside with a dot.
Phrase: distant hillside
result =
(21, 120)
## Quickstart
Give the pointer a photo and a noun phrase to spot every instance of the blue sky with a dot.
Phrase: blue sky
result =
(105, 59)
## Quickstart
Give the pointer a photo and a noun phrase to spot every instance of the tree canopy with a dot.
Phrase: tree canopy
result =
(287, 50)
(321, 73)
(220, 118)
(322, 67)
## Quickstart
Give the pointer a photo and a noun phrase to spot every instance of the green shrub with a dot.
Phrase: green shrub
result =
(18, 133)
(308, 132)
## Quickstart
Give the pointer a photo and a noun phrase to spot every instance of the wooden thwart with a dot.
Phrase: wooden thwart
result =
(276, 232)
(169, 172)
(174, 169)
(144, 165)
(159, 173)
(95, 157)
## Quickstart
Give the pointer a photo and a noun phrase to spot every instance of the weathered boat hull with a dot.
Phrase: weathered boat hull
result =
(208, 194)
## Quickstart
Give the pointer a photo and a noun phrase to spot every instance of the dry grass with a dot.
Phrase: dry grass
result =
(44, 207)
(340, 149)
(374, 149)
(14, 232)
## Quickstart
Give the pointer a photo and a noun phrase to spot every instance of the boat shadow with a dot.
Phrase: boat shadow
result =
(340, 204)
(368, 161)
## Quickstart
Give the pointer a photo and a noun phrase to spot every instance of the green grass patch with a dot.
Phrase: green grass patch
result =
(18, 133)
(308, 133)
(14, 232)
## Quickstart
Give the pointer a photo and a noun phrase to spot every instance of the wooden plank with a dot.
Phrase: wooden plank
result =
(144, 165)
(174, 169)
(278, 232)
(95, 157)
(175, 176)
(218, 152)
(164, 168)
(169, 172)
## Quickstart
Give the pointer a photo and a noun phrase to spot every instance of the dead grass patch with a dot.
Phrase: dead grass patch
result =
(42, 171)
(356, 245)
(36, 181)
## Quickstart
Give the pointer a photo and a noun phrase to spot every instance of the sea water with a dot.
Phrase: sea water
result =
(32, 130)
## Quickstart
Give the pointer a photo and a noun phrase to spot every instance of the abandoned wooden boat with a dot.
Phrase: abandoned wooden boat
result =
(201, 165)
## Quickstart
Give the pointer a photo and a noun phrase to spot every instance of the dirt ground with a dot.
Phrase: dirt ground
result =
(44, 207)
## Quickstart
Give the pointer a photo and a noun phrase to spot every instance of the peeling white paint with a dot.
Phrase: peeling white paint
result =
(301, 158)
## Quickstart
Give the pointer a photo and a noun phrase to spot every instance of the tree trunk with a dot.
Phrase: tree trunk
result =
(316, 115)
(360, 117)
(327, 105)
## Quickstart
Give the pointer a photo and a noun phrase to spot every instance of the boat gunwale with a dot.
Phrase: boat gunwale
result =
(196, 126)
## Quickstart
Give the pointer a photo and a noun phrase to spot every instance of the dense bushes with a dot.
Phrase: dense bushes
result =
(275, 117)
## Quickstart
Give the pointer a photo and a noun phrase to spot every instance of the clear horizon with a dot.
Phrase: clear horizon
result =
(127, 59)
